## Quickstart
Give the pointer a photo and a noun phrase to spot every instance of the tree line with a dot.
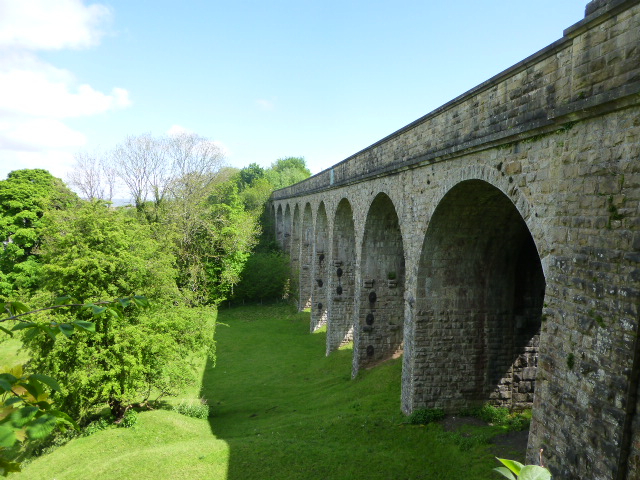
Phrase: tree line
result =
(191, 234)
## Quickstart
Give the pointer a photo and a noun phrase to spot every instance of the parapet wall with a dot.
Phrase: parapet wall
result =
(593, 68)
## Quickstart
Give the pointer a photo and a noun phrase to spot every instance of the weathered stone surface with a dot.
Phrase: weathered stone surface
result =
(500, 235)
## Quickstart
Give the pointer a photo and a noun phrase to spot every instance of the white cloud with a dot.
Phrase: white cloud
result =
(51, 25)
(37, 96)
(40, 89)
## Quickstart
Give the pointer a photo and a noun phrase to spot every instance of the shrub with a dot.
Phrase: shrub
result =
(198, 409)
(129, 420)
(426, 415)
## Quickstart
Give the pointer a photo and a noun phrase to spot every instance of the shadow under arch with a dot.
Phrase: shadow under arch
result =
(343, 276)
(479, 303)
(320, 260)
(380, 324)
(306, 260)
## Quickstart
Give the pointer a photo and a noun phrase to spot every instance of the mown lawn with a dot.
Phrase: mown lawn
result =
(280, 410)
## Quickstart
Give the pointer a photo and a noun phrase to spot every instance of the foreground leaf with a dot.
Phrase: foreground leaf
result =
(505, 472)
(534, 472)
(7, 437)
(47, 380)
(512, 465)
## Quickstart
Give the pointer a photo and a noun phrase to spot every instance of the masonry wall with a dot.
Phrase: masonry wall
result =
(556, 139)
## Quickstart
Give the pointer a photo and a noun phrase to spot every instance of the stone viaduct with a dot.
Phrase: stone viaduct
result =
(495, 244)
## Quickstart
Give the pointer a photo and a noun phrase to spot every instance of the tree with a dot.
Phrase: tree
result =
(87, 175)
(248, 175)
(27, 412)
(138, 162)
(26, 199)
(95, 252)
(287, 171)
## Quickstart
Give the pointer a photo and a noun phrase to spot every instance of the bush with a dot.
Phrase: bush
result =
(501, 416)
(198, 409)
(266, 276)
(129, 420)
(426, 415)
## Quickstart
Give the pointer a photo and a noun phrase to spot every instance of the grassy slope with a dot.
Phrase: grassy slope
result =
(281, 410)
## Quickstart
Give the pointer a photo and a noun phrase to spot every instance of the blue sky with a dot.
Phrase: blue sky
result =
(264, 79)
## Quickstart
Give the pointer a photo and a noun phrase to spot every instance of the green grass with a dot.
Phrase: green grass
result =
(280, 410)
(11, 352)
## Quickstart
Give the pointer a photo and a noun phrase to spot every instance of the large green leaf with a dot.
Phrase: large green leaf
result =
(64, 418)
(22, 325)
(534, 472)
(5, 385)
(66, 328)
(24, 415)
(65, 300)
(141, 301)
(47, 380)
(88, 326)
(512, 465)
(16, 308)
(505, 472)
(41, 426)
(8, 332)
(7, 437)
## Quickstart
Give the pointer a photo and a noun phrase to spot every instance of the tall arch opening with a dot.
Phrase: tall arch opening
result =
(287, 230)
(319, 303)
(381, 313)
(479, 304)
(343, 275)
(306, 253)
(280, 227)
(295, 244)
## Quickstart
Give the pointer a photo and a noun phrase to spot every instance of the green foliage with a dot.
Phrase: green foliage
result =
(198, 409)
(287, 171)
(27, 413)
(130, 357)
(129, 420)
(501, 416)
(515, 470)
(98, 425)
(266, 277)
(94, 252)
(250, 174)
(425, 416)
(26, 197)
(279, 412)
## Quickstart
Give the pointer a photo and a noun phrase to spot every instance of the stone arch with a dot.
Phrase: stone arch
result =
(343, 275)
(479, 303)
(379, 330)
(306, 254)
(296, 230)
(279, 227)
(320, 281)
(286, 230)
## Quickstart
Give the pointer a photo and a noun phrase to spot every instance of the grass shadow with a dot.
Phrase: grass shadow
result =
(288, 412)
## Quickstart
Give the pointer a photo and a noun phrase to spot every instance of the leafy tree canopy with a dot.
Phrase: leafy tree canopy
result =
(287, 171)
(25, 198)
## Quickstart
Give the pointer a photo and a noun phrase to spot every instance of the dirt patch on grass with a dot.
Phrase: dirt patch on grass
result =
(511, 445)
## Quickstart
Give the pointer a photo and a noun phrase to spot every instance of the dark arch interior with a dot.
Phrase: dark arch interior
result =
(479, 306)
(382, 295)
(340, 329)
(287, 230)
(306, 260)
(320, 282)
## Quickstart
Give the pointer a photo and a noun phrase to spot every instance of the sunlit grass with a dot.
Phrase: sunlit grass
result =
(280, 409)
